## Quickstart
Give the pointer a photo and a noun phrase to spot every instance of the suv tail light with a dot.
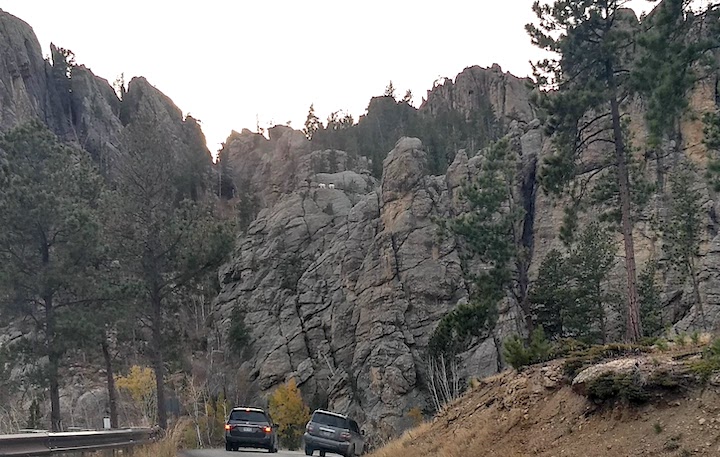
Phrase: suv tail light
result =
(267, 429)
(345, 436)
(228, 426)
(309, 427)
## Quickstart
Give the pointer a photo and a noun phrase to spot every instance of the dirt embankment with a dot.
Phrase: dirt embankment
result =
(538, 413)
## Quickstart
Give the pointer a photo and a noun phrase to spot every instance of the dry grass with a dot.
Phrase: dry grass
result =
(400, 445)
(168, 446)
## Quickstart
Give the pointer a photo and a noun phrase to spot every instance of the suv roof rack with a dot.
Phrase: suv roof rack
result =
(248, 408)
(330, 413)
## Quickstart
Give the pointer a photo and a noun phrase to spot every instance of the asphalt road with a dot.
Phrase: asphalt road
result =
(241, 453)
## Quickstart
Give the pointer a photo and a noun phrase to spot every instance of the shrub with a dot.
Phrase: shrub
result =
(710, 362)
(658, 428)
(566, 346)
(168, 445)
(140, 384)
(515, 352)
(518, 355)
(673, 443)
(238, 333)
(290, 413)
(662, 345)
(611, 386)
(680, 340)
(695, 338)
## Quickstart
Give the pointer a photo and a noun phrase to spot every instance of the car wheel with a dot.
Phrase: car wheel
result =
(308, 451)
(351, 452)
(322, 453)
(228, 447)
(235, 448)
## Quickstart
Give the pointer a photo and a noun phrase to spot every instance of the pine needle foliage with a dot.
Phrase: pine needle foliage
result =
(49, 243)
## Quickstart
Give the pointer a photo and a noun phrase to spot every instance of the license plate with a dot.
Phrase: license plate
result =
(247, 429)
(328, 433)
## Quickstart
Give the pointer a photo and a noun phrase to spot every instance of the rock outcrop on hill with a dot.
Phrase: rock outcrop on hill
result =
(475, 89)
(26, 89)
(77, 105)
(342, 287)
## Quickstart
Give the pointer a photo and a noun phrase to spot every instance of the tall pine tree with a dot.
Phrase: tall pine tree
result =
(493, 229)
(592, 41)
(48, 243)
(683, 230)
(603, 58)
(164, 242)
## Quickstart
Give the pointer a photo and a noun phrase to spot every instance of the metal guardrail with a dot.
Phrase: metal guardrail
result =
(40, 444)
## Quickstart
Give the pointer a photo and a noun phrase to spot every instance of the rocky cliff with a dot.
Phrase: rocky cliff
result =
(342, 288)
(77, 105)
(26, 89)
(476, 87)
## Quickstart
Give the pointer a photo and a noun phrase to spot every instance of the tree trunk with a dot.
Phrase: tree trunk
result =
(633, 329)
(601, 313)
(158, 361)
(523, 286)
(112, 392)
(53, 364)
(696, 291)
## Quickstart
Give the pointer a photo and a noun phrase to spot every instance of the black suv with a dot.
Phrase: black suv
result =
(332, 432)
(250, 427)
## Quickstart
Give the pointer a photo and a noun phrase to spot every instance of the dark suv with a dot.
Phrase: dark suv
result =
(332, 432)
(250, 427)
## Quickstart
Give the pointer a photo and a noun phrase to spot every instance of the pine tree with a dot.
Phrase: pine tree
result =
(407, 98)
(683, 232)
(551, 296)
(570, 296)
(590, 261)
(650, 300)
(492, 230)
(592, 40)
(604, 58)
(164, 243)
(389, 90)
(312, 123)
(49, 241)
(673, 40)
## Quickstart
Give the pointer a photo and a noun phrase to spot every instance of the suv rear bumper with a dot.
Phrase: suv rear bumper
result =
(264, 442)
(324, 444)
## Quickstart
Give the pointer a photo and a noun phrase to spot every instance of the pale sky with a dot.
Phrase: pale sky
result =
(228, 62)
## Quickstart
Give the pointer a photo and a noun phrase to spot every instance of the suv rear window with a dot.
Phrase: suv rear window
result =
(248, 416)
(328, 419)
